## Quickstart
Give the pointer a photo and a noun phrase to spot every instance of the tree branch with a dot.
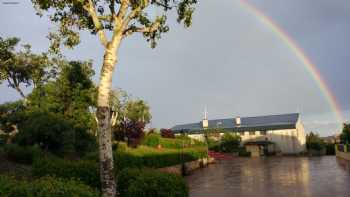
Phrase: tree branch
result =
(15, 85)
(165, 6)
(133, 14)
(105, 18)
(133, 29)
(90, 8)
(122, 10)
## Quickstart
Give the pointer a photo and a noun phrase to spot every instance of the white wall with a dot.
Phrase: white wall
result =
(288, 141)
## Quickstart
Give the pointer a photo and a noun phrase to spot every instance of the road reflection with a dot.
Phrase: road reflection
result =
(273, 176)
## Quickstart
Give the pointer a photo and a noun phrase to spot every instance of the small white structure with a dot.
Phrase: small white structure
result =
(285, 131)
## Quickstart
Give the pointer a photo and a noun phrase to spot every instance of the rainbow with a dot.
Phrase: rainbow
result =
(300, 54)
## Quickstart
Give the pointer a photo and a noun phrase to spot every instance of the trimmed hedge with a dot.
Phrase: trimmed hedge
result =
(20, 154)
(87, 170)
(45, 187)
(145, 156)
(84, 170)
(154, 139)
(150, 183)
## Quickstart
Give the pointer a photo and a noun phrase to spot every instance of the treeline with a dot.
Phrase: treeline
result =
(58, 115)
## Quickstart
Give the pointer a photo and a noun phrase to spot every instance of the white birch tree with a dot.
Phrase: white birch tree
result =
(122, 18)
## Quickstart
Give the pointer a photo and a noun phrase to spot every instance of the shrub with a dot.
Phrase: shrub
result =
(135, 133)
(214, 145)
(87, 170)
(48, 130)
(84, 142)
(243, 152)
(230, 143)
(45, 187)
(84, 170)
(54, 133)
(151, 140)
(19, 154)
(180, 142)
(150, 183)
(145, 156)
(3, 138)
(167, 133)
(154, 139)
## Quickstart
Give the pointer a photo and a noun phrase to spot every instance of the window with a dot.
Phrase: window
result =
(251, 132)
(262, 132)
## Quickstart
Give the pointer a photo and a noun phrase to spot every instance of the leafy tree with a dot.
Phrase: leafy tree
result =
(131, 114)
(314, 142)
(345, 135)
(23, 67)
(137, 111)
(129, 108)
(121, 18)
(72, 94)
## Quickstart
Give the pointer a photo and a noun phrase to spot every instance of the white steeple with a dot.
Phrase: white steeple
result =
(205, 122)
(205, 113)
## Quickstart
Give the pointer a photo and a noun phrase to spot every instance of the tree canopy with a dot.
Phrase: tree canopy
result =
(314, 142)
(120, 17)
(72, 94)
(23, 67)
(345, 135)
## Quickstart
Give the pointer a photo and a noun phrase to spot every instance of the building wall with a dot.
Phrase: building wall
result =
(287, 141)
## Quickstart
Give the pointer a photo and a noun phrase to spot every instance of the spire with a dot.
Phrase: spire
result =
(205, 113)
(205, 122)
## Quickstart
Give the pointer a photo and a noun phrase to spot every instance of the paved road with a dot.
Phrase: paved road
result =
(324, 176)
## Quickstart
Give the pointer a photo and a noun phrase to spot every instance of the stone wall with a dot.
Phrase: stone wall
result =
(188, 167)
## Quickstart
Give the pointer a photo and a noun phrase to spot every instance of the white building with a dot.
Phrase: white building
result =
(285, 132)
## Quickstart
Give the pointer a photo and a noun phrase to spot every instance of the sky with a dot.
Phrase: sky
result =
(228, 61)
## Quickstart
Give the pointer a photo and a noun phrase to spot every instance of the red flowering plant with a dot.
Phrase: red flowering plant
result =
(167, 133)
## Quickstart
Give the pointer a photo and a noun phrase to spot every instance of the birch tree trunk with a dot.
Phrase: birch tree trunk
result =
(104, 115)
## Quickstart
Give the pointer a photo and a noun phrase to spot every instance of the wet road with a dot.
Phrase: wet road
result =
(274, 176)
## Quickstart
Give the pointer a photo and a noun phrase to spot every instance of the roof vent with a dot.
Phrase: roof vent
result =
(238, 121)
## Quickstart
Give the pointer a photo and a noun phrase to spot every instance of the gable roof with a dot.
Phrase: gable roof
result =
(257, 123)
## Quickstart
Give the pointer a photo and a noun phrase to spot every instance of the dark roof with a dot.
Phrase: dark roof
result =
(258, 123)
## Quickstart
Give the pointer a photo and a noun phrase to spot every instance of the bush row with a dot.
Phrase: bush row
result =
(19, 154)
(150, 183)
(156, 158)
(154, 139)
(84, 170)
(45, 187)
(87, 170)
